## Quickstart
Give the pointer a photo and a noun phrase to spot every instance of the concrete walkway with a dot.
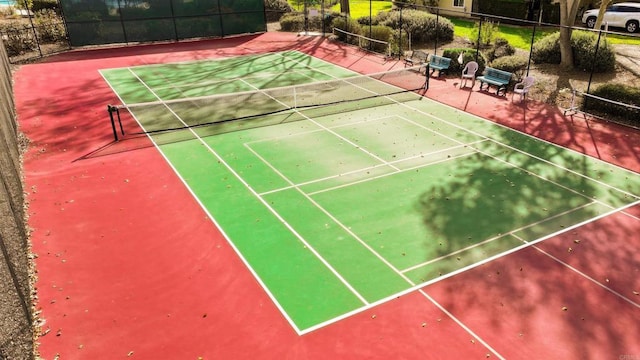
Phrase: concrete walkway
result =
(628, 56)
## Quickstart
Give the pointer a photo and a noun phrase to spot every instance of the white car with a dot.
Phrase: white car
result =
(625, 15)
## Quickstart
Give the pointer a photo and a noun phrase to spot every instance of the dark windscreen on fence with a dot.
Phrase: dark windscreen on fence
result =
(95, 22)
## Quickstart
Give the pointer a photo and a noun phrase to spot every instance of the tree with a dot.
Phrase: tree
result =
(568, 12)
(603, 8)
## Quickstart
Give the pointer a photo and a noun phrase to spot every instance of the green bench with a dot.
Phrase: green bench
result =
(498, 78)
(439, 63)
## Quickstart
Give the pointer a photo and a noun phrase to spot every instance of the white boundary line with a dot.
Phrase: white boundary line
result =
(512, 232)
(461, 324)
(395, 171)
(581, 273)
(420, 285)
(215, 222)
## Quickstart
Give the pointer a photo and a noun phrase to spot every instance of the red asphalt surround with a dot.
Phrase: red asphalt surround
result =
(130, 266)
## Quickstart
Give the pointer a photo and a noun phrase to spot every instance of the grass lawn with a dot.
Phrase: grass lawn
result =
(519, 37)
(362, 8)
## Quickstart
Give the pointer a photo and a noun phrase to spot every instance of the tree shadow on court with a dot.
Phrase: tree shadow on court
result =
(532, 295)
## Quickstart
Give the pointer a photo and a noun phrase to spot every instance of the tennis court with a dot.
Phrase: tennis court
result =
(345, 192)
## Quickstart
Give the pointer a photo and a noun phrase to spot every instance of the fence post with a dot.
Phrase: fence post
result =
(435, 47)
(33, 27)
(593, 66)
(370, 22)
(124, 29)
(400, 51)
(533, 37)
(323, 19)
(478, 41)
(306, 17)
(173, 19)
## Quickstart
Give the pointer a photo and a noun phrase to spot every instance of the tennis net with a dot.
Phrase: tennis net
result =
(235, 111)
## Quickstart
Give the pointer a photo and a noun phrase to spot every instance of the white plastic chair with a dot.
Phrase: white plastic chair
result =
(469, 73)
(523, 87)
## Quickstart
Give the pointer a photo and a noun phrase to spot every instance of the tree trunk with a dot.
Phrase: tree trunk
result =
(568, 12)
(344, 7)
(603, 8)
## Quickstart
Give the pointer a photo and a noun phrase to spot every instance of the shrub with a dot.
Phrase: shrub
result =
(39, 5)
(583, 45)
(347, 24)
(468, 55)
(49, 26)
(514, 64)
(379, 32)
(500, 48)
(292, 22)
(381, 17)
(547, 50)
(395, 43)
(364, 21)
(17, 38)
(488, 33)
(620, 93)
(276, 8)
(421, 26)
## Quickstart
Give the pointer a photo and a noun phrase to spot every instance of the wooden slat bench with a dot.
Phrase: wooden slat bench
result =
(439, 63)
(498, 78)
(418, 57)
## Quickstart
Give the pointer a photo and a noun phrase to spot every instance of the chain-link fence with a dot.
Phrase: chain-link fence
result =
(16, 331)
(129, 21)
(524, 46)
(32, 29)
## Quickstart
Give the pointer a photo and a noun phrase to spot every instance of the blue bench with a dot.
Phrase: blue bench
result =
(498, 78)
(439, 63)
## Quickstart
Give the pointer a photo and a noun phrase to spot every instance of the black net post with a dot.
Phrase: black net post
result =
(113, 109)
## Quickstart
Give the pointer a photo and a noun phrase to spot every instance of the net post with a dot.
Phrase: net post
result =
(426, 75)
(110, 110)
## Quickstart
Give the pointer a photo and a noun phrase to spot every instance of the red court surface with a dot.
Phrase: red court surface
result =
(129, 265)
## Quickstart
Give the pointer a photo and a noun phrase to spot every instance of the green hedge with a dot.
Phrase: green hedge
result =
(583, 43)
(514, 64)
(276, 8)
(500, 48)
(294, 22)
(422, 26)
(39, 5)
(617, 92)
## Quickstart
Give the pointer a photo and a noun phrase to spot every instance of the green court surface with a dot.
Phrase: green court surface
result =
(335, 211)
